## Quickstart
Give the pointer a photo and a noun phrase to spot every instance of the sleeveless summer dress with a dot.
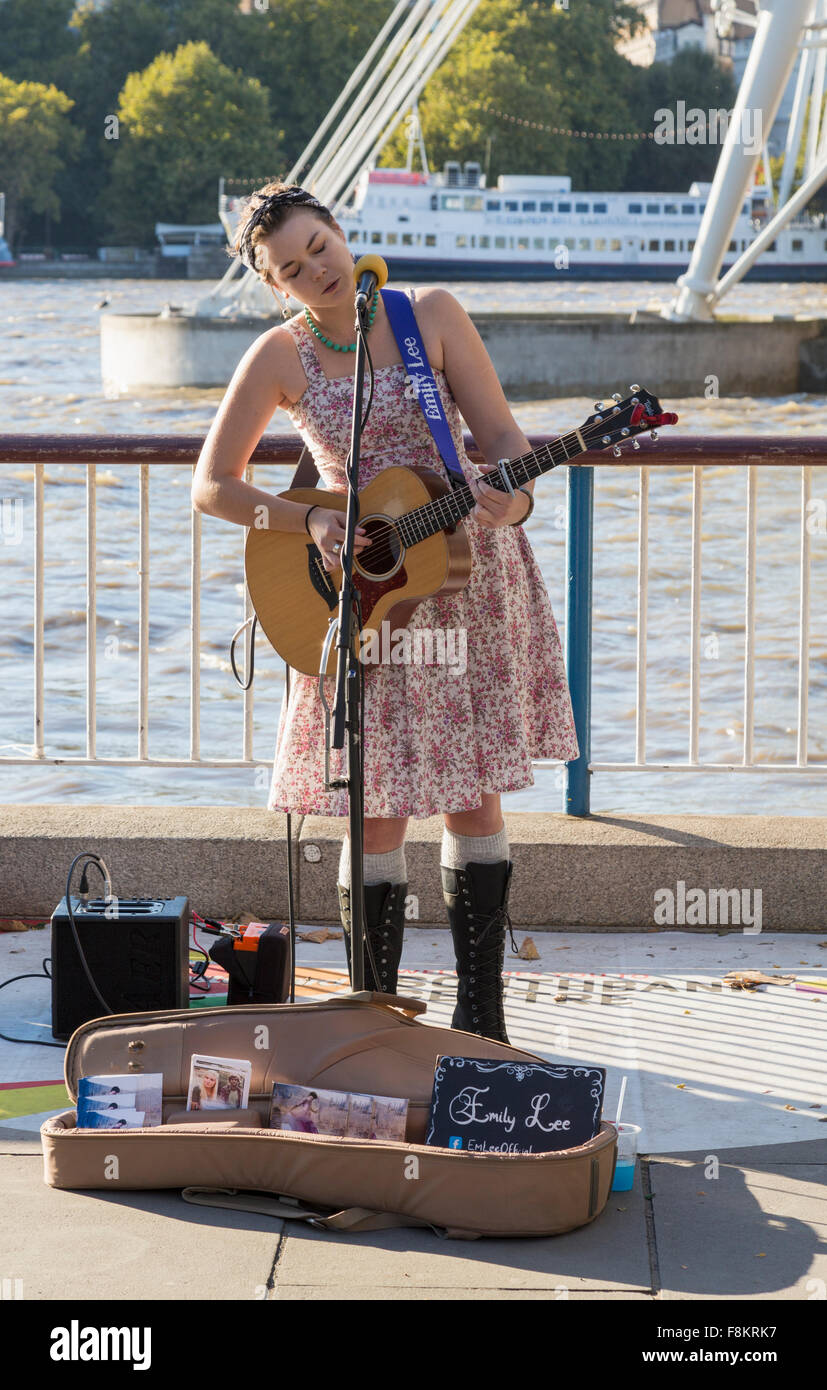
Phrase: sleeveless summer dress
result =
(436, 735)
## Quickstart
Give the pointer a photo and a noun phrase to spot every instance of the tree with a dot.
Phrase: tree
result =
(182, 122)
(697, 79)
(36, 138)
(544, 62)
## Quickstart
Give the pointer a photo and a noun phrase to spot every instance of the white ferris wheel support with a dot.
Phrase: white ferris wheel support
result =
(780, 26)
(372, 112)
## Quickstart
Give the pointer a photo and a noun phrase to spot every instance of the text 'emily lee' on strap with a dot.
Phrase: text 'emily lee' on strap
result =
(402, 320)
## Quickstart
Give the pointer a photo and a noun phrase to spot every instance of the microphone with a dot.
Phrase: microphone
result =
(370, 273)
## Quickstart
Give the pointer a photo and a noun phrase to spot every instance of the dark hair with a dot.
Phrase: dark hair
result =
(266, 210)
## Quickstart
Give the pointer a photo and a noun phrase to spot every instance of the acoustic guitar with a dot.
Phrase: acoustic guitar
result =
(418, 546)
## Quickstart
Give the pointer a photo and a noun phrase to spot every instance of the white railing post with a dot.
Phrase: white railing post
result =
(695, 629)
(91, 610)
(642, 614)
(143, 613)
(804, 619)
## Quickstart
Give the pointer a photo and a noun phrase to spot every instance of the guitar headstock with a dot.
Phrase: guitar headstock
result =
(617, 420)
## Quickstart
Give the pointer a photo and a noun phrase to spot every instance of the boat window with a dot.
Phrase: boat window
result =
(407, 239)
(654, 245)
(499, 242)
(452, 202)
(461, 241)
(733, 246)
(522, 243)
(570, 242)
(798, 244)
(485, 241)
(601, 207)
(376, 237)
(615, 246)
(688, 209)
(529, 207)
(653, 207)
(670, 207)
(512, 206)
(430, 239)
(391, 238)
(690, 245)
(539, 243)
(600, 243)
(493, 205)
(585, 243)
(581, 207)
(564, 207)
(669, 245)
(473, 202)
(353, 236)
(547, 207)
(635, 207)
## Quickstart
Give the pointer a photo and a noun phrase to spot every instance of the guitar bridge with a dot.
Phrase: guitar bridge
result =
(320, 578)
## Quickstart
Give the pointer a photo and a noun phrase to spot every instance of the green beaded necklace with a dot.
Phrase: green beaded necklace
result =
(341, 347)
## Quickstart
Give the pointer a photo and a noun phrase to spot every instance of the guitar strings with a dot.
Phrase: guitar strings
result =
(381, 550)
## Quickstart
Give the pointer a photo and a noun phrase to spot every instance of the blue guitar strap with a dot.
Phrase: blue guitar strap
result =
(412, 351)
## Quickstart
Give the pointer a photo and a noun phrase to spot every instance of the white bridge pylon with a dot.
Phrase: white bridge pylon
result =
(783, 29)
(358, 124)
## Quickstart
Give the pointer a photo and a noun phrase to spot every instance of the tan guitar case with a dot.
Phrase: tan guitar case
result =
(359, 1042)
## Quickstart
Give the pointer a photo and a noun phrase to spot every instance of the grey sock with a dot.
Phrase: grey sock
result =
(378, 868)
(460, 850)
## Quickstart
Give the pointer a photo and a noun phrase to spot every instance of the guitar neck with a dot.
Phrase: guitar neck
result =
(443, 512)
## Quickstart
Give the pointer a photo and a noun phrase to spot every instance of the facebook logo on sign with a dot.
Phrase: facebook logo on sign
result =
(455, 1141)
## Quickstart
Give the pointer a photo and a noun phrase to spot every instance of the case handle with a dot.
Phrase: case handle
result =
(349, 1219)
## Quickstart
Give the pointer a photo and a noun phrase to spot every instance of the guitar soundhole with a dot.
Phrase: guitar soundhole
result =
(383, 557)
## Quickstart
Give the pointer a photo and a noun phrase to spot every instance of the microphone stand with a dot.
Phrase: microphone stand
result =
(347, 706)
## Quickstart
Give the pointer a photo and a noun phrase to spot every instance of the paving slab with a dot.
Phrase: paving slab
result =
(609, 1254)
(748, 1230)
(144, 1245)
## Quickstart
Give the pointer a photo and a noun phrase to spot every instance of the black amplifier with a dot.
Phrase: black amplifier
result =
(138, 956)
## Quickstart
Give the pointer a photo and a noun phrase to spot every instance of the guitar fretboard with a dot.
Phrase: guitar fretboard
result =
(445, 511)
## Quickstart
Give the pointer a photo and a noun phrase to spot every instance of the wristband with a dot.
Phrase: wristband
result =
(315, 506)
(523, 519)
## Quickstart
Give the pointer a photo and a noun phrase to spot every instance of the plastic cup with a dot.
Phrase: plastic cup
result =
(627, 1141)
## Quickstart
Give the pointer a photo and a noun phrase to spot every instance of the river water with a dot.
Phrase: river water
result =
(50, 383)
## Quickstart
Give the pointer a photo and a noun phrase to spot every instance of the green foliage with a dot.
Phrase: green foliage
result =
(183, 121)
(252, 88)
(697, 79)
(35, 139)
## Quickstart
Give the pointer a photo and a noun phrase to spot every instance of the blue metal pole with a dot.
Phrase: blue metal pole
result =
(579, 536)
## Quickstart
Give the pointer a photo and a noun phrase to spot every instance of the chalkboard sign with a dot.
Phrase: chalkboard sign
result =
(514, 1107)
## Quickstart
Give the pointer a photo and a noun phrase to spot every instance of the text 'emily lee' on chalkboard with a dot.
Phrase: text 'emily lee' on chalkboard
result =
(514, 1107)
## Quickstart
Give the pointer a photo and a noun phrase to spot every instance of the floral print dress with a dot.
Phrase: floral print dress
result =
(437, 734)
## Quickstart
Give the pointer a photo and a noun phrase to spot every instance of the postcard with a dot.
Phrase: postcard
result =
(142, 1091)
(306, 1110)
(218, 1083)
(110, 1119)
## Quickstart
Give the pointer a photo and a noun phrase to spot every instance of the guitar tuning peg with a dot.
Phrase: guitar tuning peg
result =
(653, 436)
(634, 390)
(616, 451)
(635, 443)
(598, 405)
(617, 396)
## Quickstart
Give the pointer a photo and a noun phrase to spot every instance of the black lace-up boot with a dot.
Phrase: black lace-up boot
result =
(384, 929)
(477, 901)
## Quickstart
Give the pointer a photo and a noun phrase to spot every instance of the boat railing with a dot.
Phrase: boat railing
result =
(24, 521)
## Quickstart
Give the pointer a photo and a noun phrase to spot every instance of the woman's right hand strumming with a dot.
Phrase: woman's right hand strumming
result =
(327, 527)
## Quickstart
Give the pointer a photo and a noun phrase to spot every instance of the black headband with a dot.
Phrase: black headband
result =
(291, 197)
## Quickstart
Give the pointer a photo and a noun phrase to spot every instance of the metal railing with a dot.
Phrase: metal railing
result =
(697, 452)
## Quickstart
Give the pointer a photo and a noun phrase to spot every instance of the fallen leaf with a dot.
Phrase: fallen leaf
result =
(681, 1087)
(761, 1255)
(560, 998)
(700, 1193)
(527, 951)
(789, 1107)
(813, 1107)
(319, 935)
(13, 924)
(687, 1011)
